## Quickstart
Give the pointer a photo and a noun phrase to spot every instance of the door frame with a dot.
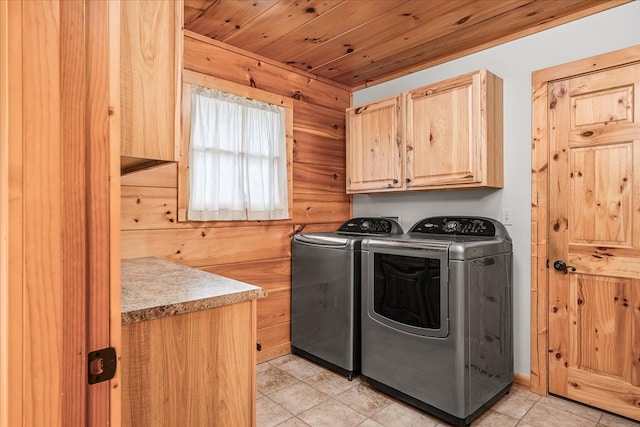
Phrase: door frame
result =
(539, 379)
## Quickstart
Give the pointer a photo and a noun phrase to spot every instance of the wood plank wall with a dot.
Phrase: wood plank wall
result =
(254, 252)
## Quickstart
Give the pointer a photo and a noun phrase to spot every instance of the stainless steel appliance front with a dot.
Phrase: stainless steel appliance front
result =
(436, 316)
(325, 292)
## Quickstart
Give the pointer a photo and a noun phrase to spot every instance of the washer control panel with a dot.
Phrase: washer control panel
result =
(370, 226)
(460, 226)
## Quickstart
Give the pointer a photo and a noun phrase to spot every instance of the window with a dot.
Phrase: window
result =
(235, 152)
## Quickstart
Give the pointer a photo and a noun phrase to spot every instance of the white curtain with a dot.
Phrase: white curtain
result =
(237, 158)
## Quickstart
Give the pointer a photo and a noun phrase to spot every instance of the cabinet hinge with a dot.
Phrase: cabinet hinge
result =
(102, 365)
(547, 263)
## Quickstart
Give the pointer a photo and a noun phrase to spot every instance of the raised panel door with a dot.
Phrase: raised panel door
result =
(594, 223)
(443, 144)
(374, 138)
(454, 134)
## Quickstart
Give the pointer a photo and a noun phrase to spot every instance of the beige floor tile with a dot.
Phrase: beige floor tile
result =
(329, 382)
(547, 413)
(273, 379)
(261, 367)
(299, 367)
(573, 407)
(369, 423)
(282, 359)
(332, 413)
(609, 420)
(292, 422)
(269, 413)
(298, 397)
(364, 399)
(292, 385)
(400, 415)
(516, 404)
(492, 418)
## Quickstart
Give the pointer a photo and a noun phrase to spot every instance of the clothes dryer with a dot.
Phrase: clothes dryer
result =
(437, 315)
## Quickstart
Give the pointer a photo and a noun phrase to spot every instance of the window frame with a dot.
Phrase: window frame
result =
(194, 78)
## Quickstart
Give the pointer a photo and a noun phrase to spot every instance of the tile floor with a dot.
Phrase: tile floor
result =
(293, 392)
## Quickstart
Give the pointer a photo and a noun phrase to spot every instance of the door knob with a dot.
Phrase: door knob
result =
(562, 266)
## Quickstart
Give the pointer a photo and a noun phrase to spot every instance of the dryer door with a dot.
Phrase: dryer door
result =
(407, 289)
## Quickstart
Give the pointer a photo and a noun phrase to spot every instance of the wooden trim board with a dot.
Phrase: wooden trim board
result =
(522, 381)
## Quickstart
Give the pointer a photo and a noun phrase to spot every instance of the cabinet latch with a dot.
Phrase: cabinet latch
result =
(102, 365)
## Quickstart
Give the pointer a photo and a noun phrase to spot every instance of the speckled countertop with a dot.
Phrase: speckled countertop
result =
(154, 288)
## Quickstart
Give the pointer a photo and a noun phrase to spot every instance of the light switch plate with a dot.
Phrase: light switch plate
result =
(506, 216)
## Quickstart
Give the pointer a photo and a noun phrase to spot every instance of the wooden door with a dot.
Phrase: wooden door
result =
(55, 191)
(375, 135)
(594, 227)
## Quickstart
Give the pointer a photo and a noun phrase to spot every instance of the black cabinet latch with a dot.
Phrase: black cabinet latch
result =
(102, 365)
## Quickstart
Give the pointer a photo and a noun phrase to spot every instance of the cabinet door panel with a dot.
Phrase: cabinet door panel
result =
(441, 145)
(150, 61)
(374, 157)
(191, 369)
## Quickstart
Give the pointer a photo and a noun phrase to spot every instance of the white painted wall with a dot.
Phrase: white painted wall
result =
(514, 62)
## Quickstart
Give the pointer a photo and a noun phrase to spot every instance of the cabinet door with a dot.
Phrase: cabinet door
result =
(443, 134)
(374, 139)
(191, 369)
(150, 65)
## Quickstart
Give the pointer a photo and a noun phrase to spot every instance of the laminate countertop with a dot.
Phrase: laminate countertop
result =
(153, 288)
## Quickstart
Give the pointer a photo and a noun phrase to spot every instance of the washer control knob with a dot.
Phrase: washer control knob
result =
(451, 226)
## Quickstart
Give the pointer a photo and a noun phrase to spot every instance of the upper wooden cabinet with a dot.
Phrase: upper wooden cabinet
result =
(374, 149)
(443, 136)
(150, 80)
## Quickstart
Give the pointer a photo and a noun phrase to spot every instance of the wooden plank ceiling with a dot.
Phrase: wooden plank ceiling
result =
(357, 42)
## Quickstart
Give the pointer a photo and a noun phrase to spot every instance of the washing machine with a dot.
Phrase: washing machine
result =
(325, 292)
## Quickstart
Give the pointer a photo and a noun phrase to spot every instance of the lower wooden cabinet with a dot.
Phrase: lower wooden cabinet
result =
(193, 369)
(274, 325)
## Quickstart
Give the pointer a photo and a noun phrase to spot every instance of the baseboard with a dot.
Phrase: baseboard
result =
(522, 381)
